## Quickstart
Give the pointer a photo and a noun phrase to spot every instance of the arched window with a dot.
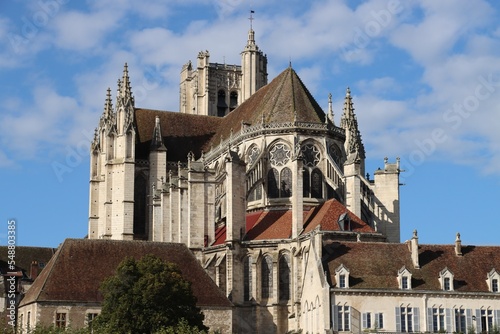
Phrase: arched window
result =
(266, 277)
(316, 184)
(110, 147)
(286, 182)
(233, 100)
(140, 205)
(247, 278)
(221, 103)
(272, 183)
(306, 184)
(284, 277)
(130, 145)
(95, 163)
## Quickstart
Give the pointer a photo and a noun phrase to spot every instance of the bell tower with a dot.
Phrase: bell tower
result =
(253, 65)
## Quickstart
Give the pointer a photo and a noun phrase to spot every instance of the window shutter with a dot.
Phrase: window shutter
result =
(376, 323)
(416, 319)
(335, 317)
(365, 324)
(448, 320)
(496, 314)
(430, 327)
(468, 317)
(398, 319)
(478, 320)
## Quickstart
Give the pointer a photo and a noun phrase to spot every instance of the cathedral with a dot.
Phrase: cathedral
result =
(270, 194)
(244, 174)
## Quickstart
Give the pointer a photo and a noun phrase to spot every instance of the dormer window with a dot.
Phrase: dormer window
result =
(404, 279)
(341, 281)
(492, 280)
(446, 279)
(342, 277)
(404, 282)
(344, 222)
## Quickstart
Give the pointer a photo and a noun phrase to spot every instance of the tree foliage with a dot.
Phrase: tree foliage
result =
(146, 296)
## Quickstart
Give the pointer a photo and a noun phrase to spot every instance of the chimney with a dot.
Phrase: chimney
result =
(34, 270)
(414, 250)
(458, 245)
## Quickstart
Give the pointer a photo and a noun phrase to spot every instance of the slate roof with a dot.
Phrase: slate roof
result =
(285, 99)
(376, 265)
(181, 132)
(77, 269)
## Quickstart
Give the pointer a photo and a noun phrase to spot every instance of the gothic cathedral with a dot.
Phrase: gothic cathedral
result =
(248, 174)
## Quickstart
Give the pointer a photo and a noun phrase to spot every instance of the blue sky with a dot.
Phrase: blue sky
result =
(425, 77)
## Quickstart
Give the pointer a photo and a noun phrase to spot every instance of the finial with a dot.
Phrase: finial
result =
(348, 92)
(251, 19)
(415, 233)
(458, 237)
(330, 108)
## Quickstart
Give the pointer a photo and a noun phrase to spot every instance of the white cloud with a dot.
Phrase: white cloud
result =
(29, 130)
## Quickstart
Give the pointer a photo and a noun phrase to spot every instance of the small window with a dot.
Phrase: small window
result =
(404, 278)
(446, 279)
(379, 320)
(342, 281)
(447, 284)
(344, 319)
(60, 320)
(492, 280)
(90, 319)
(342, 276)
(367, 320)
(404, 282)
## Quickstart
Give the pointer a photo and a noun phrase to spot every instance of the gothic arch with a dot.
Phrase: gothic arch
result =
(266, 277)
(247, 278)
(140, 205)
(286, 182)
(316, 183)
(284, 275)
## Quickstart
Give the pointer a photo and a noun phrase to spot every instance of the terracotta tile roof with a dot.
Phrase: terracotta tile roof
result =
(376, 265)
(277, 224)
(285, 99)
(25, 256)
(220, 236)
(79, 266)
(327, 216)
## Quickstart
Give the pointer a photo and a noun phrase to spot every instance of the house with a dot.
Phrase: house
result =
(66, 293)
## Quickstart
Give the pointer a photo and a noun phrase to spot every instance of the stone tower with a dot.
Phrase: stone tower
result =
(215, 89)
(111, 210)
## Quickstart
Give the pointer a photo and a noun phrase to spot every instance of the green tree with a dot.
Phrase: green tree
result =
(146, 296)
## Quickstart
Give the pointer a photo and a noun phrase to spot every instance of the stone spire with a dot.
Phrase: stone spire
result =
(157, 141)
(108, 106)
(125, 88)
(330, 109)
(353, 146)
(108, 116)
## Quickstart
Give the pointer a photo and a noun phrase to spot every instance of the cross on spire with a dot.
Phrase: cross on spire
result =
(251, 18)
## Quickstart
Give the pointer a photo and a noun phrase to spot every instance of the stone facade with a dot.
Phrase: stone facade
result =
(243, 191)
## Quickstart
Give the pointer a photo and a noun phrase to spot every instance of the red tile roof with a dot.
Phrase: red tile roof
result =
(277, 224)
(376, 265)
(76, 271)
